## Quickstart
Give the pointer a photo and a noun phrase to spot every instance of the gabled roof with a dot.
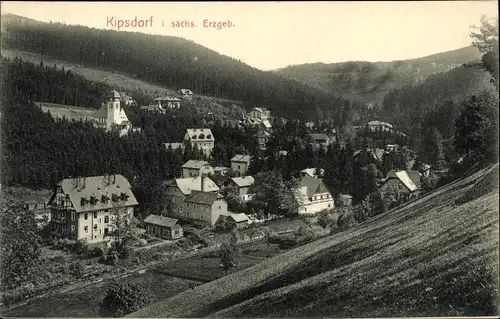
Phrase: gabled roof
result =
(195, 164)
(189, 184)
(102, 188)
(313, 185)
(243, 181)
(267, 124)
(203, 198)
(195, 133)
(221, 168)
(411, 179)
(379, 123)
(162, 221)
(309, 171)
(239, 218)
(241, 158)
(113, 94)
(186, 91)
(168, 98)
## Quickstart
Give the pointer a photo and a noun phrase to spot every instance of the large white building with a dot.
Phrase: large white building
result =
(201, 138)
(84, 208)
(313, 196)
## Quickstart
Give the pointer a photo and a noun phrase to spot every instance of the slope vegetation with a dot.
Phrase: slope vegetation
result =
(370, 81)
(435, 256)
(169, 62)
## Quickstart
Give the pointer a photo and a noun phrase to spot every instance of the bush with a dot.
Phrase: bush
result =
(97, 252)
(77, 269)
(123, 298)
(80, 247)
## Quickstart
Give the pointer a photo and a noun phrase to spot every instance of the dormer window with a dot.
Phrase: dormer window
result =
(209, 136)
(194, 137)
(201, 136)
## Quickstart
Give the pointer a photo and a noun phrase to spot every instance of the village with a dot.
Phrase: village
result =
(83, 208)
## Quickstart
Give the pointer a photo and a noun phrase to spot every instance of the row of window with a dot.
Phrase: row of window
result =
(317, 197)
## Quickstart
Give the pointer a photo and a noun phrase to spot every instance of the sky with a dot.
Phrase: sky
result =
(271, 35)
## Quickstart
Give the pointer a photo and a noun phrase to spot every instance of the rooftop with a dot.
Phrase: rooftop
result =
(245, 181)
(241, 158)
(195, 164)
(162, 221)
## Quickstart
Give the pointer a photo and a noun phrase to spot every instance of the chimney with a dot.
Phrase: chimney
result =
(114, 178)
(83, 185)
(202, 179)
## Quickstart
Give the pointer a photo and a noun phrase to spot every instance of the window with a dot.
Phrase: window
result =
(106, 219)
(86, 216)
(95, 214)
(238, 166)
(176, 232)
(106, 230)
(86, 229)
(62, 214)
(100, 220)
(95, 226)
(329, 205)
(73, 216)
(72, 229)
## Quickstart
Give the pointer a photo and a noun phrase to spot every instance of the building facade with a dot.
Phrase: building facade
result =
(401, 184)
(168, 102)
(193, 168)
(85, 208)
(240, 164)
(163, 227)
(313, 196)
(186, 94)
(244, 186)
(201, 138)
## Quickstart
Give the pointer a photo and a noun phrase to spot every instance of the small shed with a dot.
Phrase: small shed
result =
(163, 227)
(237, 221)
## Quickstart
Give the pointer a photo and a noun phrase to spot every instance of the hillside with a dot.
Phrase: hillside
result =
(436, 256)
(168, 62)
(370, 81)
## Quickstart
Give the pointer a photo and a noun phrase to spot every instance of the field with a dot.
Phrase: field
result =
(85, 302)
(435, 256)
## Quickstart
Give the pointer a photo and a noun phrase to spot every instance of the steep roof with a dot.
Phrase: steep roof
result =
(309, 171)
(266, 124)
(103, 188)
(242, 217)
(195, 164)
(243, 181)
(168, 98)
(379, 123)
(189, 184)
(162, 221)
(195, 133)
(113, 94)
(241, 158)
(186, 91)
(203, 198)
(313, 185)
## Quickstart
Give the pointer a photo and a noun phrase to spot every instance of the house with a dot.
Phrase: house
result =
(127, 99)
(37, 204)
(312, 172)
(221, 180)
(313, 196)
(84, 208)
(375, 153)
(240, 163)
(238, 221)
(378, 126)
(194, 168)
(259, 113)
(175, 146)
(204, 208)
(243, 185)
(186, 94)
(167, 102)
(262, 139)
(405, 184)
(163, 227)
(179, 189)
(319, 139)
(221, 170)
(201, 138)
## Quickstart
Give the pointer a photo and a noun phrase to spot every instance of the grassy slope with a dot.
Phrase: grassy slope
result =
(434, 256)
(370, 81)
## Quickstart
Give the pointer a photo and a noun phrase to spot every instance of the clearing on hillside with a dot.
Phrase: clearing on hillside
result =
(436, 256)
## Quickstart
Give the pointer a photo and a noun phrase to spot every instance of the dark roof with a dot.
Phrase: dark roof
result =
(314, 185)
(220, 179)
(203, 197)
(162, 221)
(415, 177)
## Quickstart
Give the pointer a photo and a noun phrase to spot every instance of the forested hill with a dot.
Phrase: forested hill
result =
(370, 81)
(168, 61)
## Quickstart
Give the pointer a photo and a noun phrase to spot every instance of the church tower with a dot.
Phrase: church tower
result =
(113, 109)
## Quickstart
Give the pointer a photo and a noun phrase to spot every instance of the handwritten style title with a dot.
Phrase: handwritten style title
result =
(114, 22)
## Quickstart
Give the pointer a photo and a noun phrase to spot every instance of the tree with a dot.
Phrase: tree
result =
(485, 38)
(273, 194)
(123, 229)
(476, 134)
(123, 298)
(227, 255)
(325, 219)
(20, 244)
(371, 206)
